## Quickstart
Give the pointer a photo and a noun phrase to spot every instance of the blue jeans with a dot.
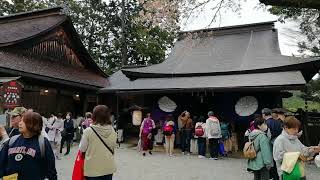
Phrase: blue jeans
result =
(185, 140)
(202, 146)
(106, 177)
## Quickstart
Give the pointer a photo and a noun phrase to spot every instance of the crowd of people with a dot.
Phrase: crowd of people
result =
(217, 133)
(29, 148)
(271, 135)
(275, 136)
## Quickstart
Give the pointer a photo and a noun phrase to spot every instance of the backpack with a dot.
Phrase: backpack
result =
(167, 130)
(248, 150)
(214, 128)
(199, 131)
(40, 140)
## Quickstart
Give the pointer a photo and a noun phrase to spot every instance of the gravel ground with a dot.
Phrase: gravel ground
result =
(132, 165)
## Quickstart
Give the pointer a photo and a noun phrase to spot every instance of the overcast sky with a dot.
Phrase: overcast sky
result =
(249, 14)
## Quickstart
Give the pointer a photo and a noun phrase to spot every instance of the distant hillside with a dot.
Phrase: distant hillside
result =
(296, 102)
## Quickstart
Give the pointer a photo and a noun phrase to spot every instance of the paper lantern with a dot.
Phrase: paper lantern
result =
(136, 117)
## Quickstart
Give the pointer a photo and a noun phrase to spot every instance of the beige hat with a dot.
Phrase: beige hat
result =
(17, 111)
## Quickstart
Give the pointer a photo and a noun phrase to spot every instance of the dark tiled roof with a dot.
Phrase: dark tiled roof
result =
(25, 27)
(43, 68)
(119, 82)
(19, 30)
(230, 50)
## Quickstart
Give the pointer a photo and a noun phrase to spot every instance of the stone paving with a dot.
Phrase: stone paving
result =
(133, 166)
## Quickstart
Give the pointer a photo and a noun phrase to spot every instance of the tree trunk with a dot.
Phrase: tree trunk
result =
(124, 49)
(312, 4)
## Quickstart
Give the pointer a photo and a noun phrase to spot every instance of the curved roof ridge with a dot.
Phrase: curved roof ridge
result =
(53, 10)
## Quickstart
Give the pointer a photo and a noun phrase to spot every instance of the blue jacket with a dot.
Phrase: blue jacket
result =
(24, 157)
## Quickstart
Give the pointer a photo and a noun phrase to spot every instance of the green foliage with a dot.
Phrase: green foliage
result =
(98, 23)
(309, 20)
(296, 101)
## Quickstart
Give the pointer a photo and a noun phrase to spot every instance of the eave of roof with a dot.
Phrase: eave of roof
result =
(305, 67)
(51, 71)
(270, 80)
(7, 79)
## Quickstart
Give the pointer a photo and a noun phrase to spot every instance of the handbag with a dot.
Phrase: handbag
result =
(78, 167)
(64, 133)
(11, 177)
(112, 152)
(47, 129)
(248, 151)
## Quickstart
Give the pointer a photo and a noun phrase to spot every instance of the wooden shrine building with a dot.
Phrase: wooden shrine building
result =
(234, 71)
(42, 51)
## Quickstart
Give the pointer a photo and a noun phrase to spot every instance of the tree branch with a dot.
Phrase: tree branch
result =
(218, 7)
(196, 7)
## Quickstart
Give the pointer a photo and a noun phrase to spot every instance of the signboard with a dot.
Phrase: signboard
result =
(11, 94)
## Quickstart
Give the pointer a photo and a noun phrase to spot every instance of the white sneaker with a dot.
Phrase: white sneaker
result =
(201, 157)
(183, 153)
(188, 154)
(213, 158)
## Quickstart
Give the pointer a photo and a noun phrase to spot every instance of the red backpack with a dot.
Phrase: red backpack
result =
(199, 131)
(167, 130)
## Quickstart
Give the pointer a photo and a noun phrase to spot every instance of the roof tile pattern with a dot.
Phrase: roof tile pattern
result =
(19, 30)
(51, 69)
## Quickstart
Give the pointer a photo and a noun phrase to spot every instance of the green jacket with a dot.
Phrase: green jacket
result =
(263, 149)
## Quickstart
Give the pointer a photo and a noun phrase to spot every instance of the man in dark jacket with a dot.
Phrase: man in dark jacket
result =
(68, 133)
(275, 127)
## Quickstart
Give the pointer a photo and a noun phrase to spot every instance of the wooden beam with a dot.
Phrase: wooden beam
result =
(311, 4)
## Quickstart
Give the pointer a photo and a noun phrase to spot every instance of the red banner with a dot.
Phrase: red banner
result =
(11, 94)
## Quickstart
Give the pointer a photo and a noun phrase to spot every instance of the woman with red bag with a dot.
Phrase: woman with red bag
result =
(98, 143)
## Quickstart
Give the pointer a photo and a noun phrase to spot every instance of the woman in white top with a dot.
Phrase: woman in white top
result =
(55, 125)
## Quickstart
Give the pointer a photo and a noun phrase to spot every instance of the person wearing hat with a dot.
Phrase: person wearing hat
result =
(15, 118)
(275, 127)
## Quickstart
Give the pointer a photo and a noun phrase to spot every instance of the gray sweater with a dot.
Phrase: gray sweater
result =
(288, 143)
